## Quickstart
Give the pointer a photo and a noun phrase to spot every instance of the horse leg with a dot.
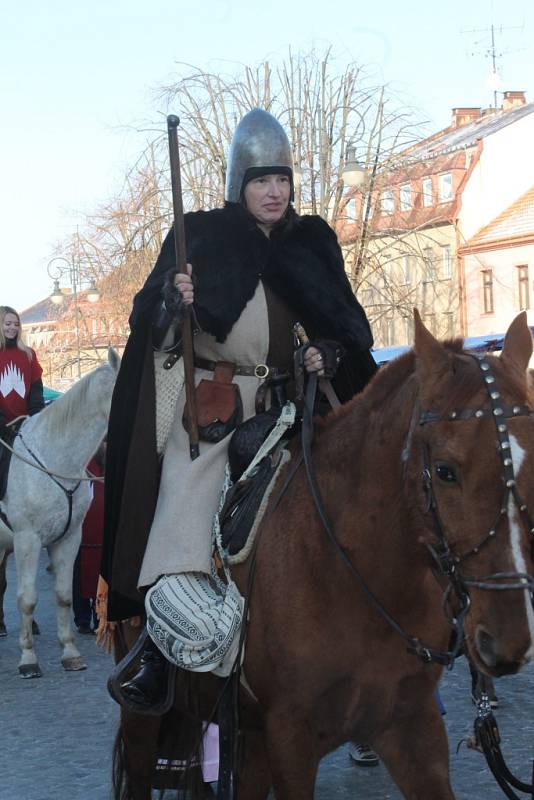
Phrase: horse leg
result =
(416, 753)
(3, 587)
(62, 555)
(135, 755)
(27, 549)
(254, 777)
(291, 754)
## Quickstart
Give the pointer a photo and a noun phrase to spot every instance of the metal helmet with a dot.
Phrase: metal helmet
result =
(258, 141)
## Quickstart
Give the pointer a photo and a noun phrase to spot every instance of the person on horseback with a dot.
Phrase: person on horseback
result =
(21, 386)
(255, 269)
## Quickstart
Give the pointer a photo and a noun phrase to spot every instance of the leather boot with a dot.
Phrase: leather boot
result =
(148, 687)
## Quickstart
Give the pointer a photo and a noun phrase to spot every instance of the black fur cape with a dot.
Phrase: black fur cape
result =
(302, 263)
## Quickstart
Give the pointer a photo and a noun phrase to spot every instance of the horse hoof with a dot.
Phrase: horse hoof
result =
(74, 664)
(30, 671)
(3, 631)
(35, 628)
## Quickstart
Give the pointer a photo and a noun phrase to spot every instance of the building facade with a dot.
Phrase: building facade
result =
(430, 218)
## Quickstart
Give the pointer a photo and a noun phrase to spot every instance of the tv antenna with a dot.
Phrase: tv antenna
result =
(493, 52)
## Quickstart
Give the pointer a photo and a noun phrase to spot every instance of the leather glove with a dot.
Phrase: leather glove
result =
(172, 297)
(332, 353)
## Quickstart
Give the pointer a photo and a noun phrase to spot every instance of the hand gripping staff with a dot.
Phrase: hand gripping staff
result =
(181, 262)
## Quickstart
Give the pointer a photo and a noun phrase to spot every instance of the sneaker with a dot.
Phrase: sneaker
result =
(363, 755)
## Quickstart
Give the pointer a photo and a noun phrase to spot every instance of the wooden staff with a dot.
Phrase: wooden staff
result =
(181, 266)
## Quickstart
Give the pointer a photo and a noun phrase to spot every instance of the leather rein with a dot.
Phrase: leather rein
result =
(69, 493)
(442, 554)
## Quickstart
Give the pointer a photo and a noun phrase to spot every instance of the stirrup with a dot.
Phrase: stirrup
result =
(122, 672)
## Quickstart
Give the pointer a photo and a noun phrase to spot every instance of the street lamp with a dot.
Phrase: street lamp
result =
(59, 268)
(354, 173)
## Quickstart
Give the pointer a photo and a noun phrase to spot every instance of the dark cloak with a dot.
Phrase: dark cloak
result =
(302, 264)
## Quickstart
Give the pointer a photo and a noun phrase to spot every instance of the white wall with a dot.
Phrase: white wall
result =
(505, 288)
(504, 172)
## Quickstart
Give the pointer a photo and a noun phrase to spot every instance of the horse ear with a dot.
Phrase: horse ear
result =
(432, 358)
(517, 348)
(431, 355)
(114, 359)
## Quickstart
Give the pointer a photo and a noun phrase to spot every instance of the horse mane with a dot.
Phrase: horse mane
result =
(59, 413)
(464, 384)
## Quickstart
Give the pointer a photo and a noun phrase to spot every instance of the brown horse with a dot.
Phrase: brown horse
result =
(431, 465)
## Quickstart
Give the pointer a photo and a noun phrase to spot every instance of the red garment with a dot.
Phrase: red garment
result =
(92, 534)
(17, 373)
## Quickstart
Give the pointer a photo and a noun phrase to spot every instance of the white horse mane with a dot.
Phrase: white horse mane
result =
(58, 414)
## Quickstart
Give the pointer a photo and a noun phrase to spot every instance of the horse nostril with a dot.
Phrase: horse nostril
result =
(486, 647)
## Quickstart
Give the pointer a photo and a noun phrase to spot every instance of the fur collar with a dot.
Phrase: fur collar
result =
(301, 262)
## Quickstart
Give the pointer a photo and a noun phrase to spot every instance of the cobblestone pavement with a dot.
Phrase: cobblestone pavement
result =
(57, 732)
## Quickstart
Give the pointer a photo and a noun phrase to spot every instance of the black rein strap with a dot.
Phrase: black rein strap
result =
(415, 646)
(68, 492)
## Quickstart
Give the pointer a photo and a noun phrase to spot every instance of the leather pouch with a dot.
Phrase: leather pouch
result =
(219, 404)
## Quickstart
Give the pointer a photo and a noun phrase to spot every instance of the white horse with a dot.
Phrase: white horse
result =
(47, 497)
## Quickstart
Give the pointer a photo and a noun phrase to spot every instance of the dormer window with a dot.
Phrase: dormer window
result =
(445, 187)
(405, 197)
(351, 209)
(428, 194)
(387, 205)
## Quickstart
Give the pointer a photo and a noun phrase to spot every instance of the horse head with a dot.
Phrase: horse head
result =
(102, 381)
(475, 439)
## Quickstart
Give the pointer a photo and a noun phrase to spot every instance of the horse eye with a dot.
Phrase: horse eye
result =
(446, 473)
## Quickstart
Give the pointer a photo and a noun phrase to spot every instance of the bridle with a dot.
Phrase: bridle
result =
(446, 559)
(442, 554)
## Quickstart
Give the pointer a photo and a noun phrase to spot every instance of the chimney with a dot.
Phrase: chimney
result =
(463, 116)
(513, 100)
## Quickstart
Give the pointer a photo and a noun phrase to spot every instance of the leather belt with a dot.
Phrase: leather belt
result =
(261, 371)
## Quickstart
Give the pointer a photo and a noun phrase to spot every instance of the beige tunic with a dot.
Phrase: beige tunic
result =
(180, 536)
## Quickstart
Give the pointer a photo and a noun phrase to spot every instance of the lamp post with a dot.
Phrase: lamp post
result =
(354, 173)
(58, 268)
(357, 176)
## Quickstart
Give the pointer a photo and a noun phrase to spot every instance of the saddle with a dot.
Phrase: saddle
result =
(257, 448)
(245, 505)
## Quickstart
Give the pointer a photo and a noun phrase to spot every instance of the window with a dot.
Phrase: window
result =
(367, 298)
(487, 291)
(405, 197)
(448, 329)
(446, 261)
(445, 187)
(407, 323)
(387, 205)
(523, 289)
(407, 269)
(429, 261)
(428, 195)
(351, 209)
(390, 332)
(430, 323)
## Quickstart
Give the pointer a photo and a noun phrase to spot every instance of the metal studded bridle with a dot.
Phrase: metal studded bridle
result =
(442, 553)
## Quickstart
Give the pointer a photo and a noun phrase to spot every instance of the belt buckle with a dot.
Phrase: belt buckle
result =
(261, 371)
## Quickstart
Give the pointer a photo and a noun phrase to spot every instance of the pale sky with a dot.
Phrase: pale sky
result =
(75, 77)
